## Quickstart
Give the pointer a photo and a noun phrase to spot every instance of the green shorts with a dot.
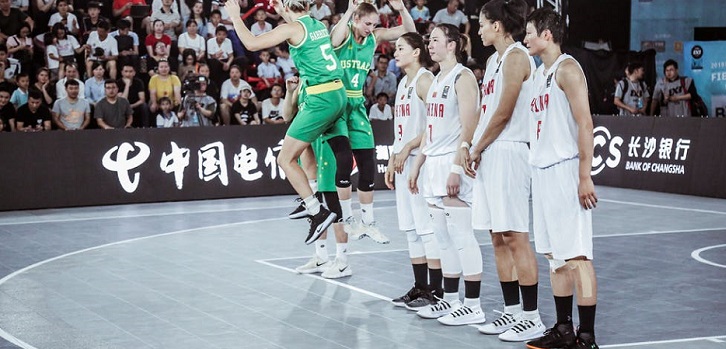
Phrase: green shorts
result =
(358, 125)
(326, 165)
(319, 108)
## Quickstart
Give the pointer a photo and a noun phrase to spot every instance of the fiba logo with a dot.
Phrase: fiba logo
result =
(607, 150)
(697, 53)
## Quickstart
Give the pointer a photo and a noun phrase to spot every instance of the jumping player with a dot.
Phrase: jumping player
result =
(452, 105)
(563, 193)
(413, 217)
(502, 186)
(322, 96)
(355, 44)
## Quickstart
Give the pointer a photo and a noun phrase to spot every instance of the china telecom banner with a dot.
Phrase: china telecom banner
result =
(98, 167)
(705, 61)
(675, 155)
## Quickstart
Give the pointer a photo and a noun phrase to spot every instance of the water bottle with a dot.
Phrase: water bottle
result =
(639, 103)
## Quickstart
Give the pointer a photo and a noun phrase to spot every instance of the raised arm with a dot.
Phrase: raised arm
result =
(408, 25)
(572, 81)
(340, 32)
(288, 31)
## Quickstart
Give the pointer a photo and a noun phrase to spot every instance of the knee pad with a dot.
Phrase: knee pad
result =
(365, 158)
(450, 263)
(343, 160)
(415, 245)
(462, 237)
(431, 246)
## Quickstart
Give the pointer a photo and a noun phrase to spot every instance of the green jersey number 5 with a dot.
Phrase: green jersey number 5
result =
(324, 49)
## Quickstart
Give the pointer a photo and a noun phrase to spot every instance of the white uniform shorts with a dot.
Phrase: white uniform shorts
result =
(413, 212)
(561, 226)
(502, 187)
(436, 173)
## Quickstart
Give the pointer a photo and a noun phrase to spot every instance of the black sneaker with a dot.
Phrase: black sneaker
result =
(318, 224)
(585, 341)
(426, 299)
(412, 294)
(300, 211)
(561, 336)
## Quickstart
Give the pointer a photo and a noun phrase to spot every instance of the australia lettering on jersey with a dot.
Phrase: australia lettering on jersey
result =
(319, 34)
(355, 64)
(435, 110)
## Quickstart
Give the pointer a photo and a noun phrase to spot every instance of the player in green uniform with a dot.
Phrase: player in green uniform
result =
(322, 95)
(324, 162)
(355, 44)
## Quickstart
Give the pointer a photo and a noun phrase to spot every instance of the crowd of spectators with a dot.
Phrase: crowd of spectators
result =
(76, 64)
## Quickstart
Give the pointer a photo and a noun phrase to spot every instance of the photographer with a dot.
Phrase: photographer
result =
(198, 106)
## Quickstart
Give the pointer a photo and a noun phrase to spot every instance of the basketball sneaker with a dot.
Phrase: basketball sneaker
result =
(506, 321)
(412, 294)
(337, 269)
(526, 329)
(314, 265)
(318, 224)
(300, 211)
(464, 316)
(559, 336)
(353, 228)
(584, 341)
(372, 231)
(426, 299)
(441, 308)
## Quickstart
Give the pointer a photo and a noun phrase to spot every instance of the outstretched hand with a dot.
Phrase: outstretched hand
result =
(232, 7)
(397, 5)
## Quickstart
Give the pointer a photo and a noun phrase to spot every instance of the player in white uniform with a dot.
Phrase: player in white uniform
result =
(500, 153)
(413, 217)
(452, 105)
(563, 193)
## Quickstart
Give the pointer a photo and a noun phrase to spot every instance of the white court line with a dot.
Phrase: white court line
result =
(382, 297)
(40, 220)
(662, 206)
(683, 340)
(697, 255)
(12, 339)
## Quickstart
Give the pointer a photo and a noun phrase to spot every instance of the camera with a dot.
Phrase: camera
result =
(193, 82)
(98, 52)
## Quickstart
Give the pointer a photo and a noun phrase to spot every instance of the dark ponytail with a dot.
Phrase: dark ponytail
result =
(512, 14)
(452, 34)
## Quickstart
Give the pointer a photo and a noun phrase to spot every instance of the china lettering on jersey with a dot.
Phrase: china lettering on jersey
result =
(553, 136)
(410, 112)
(443, 126)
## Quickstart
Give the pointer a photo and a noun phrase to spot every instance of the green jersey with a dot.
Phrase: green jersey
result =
(314, 57)
(355, 59)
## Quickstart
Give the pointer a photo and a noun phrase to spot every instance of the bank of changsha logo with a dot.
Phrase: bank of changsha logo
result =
(127, 157)
(608, 153)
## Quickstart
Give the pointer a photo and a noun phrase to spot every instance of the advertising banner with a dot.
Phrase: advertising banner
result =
(705, 62)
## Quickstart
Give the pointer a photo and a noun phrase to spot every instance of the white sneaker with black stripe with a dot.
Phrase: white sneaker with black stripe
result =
(314, 265)
(464, 316)
(502, 324)
(525, 330)
(338, 269)
(439, 309)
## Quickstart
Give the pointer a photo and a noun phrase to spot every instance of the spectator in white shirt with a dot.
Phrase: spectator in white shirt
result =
(261, 25)
(453, 16)
(192, 40)
(71, 72)
(272, 107)
(219, 54)
(69, 20)
(381, 110)
(319, 10)
(102, 48)
(284, 61)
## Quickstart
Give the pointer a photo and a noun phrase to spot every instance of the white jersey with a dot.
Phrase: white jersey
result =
(410, 112)
(553, 137)
(443, 126)
(517, 129)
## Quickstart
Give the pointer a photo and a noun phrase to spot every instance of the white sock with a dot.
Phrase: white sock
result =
(513, 309)
(312, 204)
(341, 251)
(450, 297)
(531, 315)
(366, 213)
(313, 185)
(347, 207)
(472, 302)
(321, 250)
